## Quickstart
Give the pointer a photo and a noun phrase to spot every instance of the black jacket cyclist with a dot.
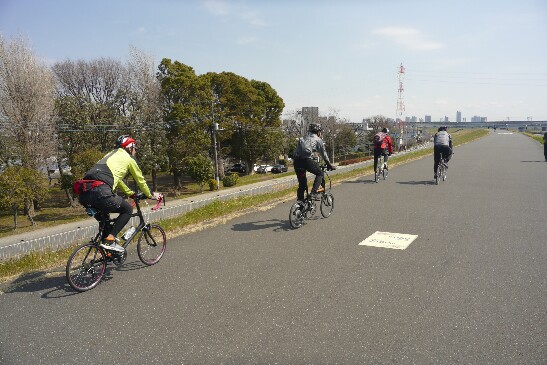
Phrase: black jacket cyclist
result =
(442, 145)
(304, 161)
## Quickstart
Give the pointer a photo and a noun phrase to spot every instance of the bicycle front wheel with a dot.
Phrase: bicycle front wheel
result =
(384, 173)
(327, 204)
(296, 216)
(85, 267)
(151, 244)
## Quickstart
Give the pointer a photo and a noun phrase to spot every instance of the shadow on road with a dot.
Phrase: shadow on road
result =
(360, 181)
(534, 161)
(53, 284)
(425, 182)
(276, 224)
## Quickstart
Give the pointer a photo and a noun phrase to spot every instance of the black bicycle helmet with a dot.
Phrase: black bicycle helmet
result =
(441, 129)
(315, 128)
(385, 130)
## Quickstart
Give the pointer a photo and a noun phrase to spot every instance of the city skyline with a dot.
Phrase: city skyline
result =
(482, 58)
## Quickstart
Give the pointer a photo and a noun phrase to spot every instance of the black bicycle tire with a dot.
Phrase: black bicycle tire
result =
(376, 176)
(327, 205)
(296, 219)
(102, 261)
(145, 238)
(384, 173)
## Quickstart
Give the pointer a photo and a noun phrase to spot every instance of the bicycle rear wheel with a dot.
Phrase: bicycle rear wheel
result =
(296, 215)
(440, 173)
(384, 173)
(151, 244)
(85, 267)
(376, 175)
(327, 204)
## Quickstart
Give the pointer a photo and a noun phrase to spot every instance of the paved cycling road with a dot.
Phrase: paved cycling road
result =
(470, 289)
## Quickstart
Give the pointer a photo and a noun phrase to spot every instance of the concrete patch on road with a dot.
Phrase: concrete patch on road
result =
(397, 241)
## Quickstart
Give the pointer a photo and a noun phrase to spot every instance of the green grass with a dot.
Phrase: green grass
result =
(46, 260)
(537, 137)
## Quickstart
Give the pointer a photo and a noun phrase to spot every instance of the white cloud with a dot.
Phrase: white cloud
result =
(225, 9)
(246, 40)
(217, 7)
(410, 38)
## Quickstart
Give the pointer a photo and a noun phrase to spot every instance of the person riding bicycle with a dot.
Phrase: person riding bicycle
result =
(442, 146)
(383, 146)
(107, 175)
(304, 161)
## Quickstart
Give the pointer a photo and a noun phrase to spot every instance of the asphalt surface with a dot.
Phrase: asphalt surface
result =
(470, 289)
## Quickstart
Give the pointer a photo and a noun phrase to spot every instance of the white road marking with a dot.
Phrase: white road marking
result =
(397, 241)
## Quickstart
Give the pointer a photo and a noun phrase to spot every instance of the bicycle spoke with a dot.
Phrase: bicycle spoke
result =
(151, 245)
(85, 267)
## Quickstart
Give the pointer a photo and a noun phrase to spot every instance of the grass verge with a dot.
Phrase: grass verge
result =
(537, 137)
(40, 261)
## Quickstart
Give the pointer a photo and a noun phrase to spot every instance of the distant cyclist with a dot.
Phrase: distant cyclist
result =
(107, 175)
(383, 146)
(442, 146)
(304, 161)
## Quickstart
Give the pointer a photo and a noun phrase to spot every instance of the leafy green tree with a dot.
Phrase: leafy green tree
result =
(19, 188)
(184, 108)
(82, 161)
(199, 168)
(345, 139)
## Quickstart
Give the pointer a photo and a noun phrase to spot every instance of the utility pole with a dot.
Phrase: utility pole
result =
(214, 129)
(400, 104)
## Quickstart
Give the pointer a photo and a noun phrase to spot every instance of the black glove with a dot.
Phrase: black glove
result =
(330, 168)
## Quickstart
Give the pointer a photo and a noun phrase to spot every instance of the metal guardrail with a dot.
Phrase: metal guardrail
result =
(65, 239)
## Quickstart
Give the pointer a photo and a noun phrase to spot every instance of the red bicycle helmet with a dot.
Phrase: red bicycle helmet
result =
(125, 141)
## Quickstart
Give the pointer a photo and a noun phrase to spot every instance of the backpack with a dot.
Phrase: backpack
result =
(303, 149)
(379, 139)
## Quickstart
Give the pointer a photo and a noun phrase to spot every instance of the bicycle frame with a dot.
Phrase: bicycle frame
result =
(142, 222)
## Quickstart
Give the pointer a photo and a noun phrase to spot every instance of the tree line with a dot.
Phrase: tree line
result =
(75, 109)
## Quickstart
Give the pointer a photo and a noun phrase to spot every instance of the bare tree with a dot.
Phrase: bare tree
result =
(93, 98)
(146, 113)
(26, 106)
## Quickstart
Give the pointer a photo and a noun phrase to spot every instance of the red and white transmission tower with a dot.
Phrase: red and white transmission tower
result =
(400, 104)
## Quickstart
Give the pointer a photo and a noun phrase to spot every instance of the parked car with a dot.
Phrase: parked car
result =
(264, 169)
(277, 169)
(239, 167)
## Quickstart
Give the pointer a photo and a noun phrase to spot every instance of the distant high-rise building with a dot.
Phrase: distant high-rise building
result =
(458, 117)
(477, 119)
(310, 114)
(446, 119)
(427, 119)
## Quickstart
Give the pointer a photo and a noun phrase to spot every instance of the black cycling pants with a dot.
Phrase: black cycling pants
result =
(300, 168)
(377, 153)
(445, 151)
(105, 201)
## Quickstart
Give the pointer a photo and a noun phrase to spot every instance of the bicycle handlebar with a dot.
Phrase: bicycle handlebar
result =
(142, 196)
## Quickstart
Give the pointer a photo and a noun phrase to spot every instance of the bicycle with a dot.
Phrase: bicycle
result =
(441, 171)
(303, 210)
(86, 265)
(381, 170)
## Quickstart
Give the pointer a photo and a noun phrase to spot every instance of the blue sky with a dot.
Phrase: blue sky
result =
(485, 58)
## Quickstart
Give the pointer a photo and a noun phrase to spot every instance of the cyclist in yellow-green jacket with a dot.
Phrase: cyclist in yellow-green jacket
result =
(106, 176)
